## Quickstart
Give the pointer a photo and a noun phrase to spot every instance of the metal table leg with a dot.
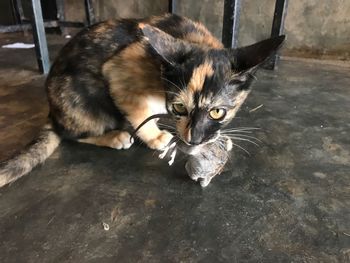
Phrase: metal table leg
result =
(19, 15)
(89, 11)
(230, 27)
(172, 6)
(18, 11)
(41, 50)
(61, 16)
(277, 27)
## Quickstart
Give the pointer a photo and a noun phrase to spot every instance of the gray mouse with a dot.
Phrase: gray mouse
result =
(204, 161)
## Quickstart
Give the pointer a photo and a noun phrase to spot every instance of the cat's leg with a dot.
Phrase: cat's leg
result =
(113, 139)
(149, 133)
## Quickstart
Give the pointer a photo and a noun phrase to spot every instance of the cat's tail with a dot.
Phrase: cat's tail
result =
(33, 154)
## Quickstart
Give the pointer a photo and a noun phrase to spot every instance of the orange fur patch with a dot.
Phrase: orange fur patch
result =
(183, 130)
(195, 85)
(198, 76)
(136, 87)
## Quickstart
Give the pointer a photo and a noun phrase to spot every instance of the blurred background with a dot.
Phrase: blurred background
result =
(315, 29)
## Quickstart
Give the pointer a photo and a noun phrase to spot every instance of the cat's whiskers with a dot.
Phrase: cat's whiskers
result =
(236, 131)
(242, 135)
(242, 129)
(238, 146)
(243, 139)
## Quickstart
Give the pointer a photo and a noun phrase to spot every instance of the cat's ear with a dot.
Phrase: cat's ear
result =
(168, 48)
(249, 58)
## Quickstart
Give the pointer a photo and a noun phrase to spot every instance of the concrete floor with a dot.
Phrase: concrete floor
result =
(289, 201)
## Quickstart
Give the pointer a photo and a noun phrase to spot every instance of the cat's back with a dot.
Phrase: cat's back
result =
(97, 43)
(94, 45)
(186, 29)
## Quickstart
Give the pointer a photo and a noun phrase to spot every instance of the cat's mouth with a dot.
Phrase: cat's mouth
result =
(192, 149)
(208, 140)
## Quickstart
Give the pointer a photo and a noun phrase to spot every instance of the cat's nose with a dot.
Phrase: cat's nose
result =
(195, 141)
(196, 136)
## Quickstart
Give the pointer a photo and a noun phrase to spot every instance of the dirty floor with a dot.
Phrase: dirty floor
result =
(288, 201)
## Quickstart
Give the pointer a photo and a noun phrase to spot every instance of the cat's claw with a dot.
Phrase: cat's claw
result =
(166, 149)
(172, 157)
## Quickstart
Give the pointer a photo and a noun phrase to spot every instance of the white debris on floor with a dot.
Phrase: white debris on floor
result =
(18, 45)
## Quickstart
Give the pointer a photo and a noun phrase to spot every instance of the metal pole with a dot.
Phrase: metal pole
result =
(41, 50)
(18, 11)
(232, 9)
(277, 27)
(89, 11)
(172, 6)
(20, 15)
(61, 16)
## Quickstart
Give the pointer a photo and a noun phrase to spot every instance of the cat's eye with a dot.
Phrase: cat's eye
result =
(217, 113)
(179, 109)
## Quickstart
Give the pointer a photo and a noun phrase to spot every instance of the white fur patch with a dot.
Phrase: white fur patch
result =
(156, 104)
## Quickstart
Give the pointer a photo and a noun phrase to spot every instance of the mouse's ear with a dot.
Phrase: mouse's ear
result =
(251, 57)
(171, 50)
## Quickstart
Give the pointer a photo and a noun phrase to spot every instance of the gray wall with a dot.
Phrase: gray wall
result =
(110, 9)
(314, 28)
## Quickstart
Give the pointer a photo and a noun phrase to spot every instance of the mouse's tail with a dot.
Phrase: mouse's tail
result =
(33, 154)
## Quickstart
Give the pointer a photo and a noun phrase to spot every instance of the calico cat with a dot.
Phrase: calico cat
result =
(118, 73)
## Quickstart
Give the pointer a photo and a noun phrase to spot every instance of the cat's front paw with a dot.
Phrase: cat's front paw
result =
(121, 140)
(161, 141)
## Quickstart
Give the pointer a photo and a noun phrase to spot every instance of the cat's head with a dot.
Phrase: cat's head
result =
(205, 87)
